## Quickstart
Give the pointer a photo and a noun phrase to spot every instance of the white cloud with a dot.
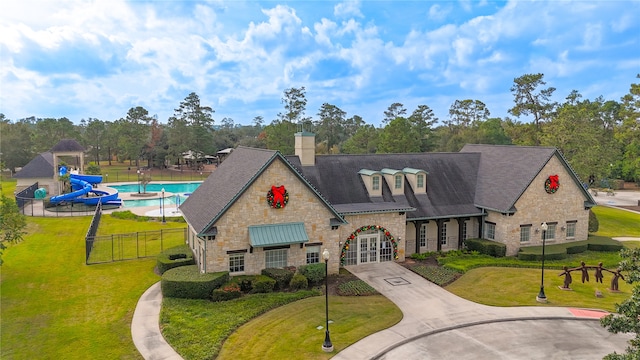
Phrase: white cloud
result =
(347, 9)
(438, 13)
(592, 37)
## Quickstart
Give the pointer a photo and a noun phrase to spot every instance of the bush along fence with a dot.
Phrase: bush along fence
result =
(129, 246)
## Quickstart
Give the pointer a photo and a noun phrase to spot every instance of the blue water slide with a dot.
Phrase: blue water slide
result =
(81, 186)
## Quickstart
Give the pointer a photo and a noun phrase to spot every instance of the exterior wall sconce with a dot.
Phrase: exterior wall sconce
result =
(563, 228)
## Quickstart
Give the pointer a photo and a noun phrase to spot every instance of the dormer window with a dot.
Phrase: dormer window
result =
(398, 182)
(371, 180)
(375, 180)
(395, 180)
(417, 179)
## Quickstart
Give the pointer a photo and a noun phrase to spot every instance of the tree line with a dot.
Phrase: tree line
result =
(597, 136)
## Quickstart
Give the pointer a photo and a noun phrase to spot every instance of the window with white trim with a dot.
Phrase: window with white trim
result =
(490, 231)
(423, 235)
(398, 184)
(375, 183)
(551, 232)
(275, 258)
(420, 181)
(571, 230)
(525, 233)
(313, 254)
(443, 234)
(236, 262)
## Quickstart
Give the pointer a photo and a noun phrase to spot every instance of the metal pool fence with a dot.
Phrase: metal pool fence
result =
(135, 245)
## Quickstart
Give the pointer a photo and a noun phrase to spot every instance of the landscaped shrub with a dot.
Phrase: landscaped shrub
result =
(281, 276)
(549, 255)
(601, 243)
(486, 247)
(356, 288)
(298, 282)
(128, 215)
(438, 275)
(263, 284)
(576, 248)
(313, 272)
(229, 291)
(174, 257)
(594, 224)
(188, 283)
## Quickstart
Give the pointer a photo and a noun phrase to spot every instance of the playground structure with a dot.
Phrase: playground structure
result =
(83, 191)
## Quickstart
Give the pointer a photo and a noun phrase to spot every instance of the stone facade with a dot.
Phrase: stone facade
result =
(536, 206)
(251, 208)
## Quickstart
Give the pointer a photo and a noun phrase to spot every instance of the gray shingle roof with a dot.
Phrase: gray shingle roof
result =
(505, 172)
(450, 183)
(67, 145)
(40, 166)
(218, 192)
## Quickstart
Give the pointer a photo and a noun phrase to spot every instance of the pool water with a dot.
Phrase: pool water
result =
(180, 193)
(155, 187)
(169, 201)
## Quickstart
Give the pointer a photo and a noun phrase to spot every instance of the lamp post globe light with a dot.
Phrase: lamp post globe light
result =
(541, 296)
(162, 210)
(327, 346)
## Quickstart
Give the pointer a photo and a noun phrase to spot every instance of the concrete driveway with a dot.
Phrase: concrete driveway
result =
(439, 325)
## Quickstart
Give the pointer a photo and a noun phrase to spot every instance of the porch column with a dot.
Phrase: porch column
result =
(418, 225)
(460, 226)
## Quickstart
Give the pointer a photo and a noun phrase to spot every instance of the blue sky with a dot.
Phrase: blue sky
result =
(80, 59)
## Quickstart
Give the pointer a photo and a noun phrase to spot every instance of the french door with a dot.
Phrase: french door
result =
(368, 248)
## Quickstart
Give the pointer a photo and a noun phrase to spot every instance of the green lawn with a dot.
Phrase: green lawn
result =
(519, 287)
(616, 222)
(293, 329)
(56, 307)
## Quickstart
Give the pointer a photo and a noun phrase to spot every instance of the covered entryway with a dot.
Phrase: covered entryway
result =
(369, 244)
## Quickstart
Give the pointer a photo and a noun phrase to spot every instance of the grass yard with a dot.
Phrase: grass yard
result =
(56, 307)
(293, 329)
(519, 287)
(616, 222)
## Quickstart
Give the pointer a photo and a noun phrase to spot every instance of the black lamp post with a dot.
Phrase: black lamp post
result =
(138, 171)
(541, 296)
(327, 346)
(162, 210)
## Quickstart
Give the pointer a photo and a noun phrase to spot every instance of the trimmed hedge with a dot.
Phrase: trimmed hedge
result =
(229, 291)
(174, 257)
(252, 284)
(281, 276)
(313, 272)
(187, 282)
(298, 282)
(263, 284)
(554, 255)
(486, 247)
(601, 243)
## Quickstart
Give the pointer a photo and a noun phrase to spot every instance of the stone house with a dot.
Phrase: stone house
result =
(262, 209)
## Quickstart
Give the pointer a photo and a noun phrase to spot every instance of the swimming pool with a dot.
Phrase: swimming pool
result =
(169, 201)
(180, 193)
(157, 187)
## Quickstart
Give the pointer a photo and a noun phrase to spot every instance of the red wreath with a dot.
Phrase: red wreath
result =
(277, 197)
(552, 184)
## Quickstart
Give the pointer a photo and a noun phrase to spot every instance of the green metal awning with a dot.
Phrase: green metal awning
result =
(277, 234)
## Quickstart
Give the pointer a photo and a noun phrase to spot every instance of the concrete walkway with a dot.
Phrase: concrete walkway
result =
(430, 310)
(145, 327)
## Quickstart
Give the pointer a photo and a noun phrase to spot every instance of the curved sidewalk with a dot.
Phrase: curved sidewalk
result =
(428, 309)
(145, 327)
